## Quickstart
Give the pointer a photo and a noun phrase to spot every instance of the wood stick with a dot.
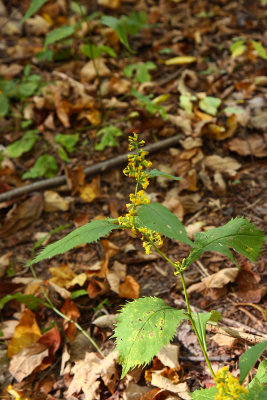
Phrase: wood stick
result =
(89, 171)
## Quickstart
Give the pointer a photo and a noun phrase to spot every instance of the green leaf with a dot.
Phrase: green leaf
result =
(260, 49)
(142, 74)
(233, 110)
(46, 166)
(23, 145)
(237, 48)
(4, 105)
(159, 218)
(34, 7)
(186, 102)
(119, 27)
(144, 327)
(78, 8)
(108, 137)
(134, 22)
(85, 234)
(201, 320)
(204, 394)
(67, 141)
(257, 387)
(147, 103)
(261, 375)
(155, 172)
(59, 34)
(238, 234)
(249, 358)
(256, 392)
(210, 105)
(78, 293)
(62, 154)
(28, 299)
(92, 51)
(27, 89)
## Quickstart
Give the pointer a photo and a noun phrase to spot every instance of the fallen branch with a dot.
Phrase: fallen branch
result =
(247, 337)
(89, 171)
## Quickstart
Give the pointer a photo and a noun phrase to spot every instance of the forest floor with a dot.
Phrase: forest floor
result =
(205, 64)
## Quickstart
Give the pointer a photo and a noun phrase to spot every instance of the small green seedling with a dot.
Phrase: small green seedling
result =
(147, 324)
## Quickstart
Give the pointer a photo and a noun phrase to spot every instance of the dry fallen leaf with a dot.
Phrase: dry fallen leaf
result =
(106, 321)
(224, 340)
(25, 362)
(162, 382)
(22, 215)
(87, 372)
(54, 202)
(129, 289)
(90, 191)
(169, 355)
(222, 164)
(88, 72)
(26, 333)
(62, 276)
(4, 263)
(70, 310)
(254, 144)
(217, 280)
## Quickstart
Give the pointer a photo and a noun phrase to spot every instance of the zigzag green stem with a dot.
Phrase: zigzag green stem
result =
(188, 307)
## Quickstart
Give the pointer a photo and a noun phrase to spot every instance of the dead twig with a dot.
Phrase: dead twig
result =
(247, 337)
(89, 171)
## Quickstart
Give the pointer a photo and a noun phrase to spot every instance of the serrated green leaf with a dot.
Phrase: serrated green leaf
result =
(4, 105)
(155, 172)
(210, 105)
(261, 375)
(85, 234)
(204, 394)
(159, 218)
(201, 320)
(34, 7)
(46, 166)
(256, 392)
(58, 34)
(144, 327)
(238, 234)
(28, 299)
(249, 358)
(23, 145)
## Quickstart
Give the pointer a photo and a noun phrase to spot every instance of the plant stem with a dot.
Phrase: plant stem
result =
(194, 326)
(51, 305)
(188, 309)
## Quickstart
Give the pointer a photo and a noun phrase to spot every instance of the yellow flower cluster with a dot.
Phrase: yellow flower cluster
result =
(137, 162)
(149, 237)
(136, 169)
(228, 387)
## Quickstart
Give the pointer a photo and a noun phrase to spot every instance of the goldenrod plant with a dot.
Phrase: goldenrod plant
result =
(147, 324)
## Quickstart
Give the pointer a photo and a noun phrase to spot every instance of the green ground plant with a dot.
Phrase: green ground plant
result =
(147, 324)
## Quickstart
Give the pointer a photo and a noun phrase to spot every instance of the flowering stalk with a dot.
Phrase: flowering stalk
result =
(136, 169)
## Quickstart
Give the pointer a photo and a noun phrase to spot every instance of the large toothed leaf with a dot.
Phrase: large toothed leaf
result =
(204, 394)
(159, 218)
(238, 234)
(85, 234)
(144, 327)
